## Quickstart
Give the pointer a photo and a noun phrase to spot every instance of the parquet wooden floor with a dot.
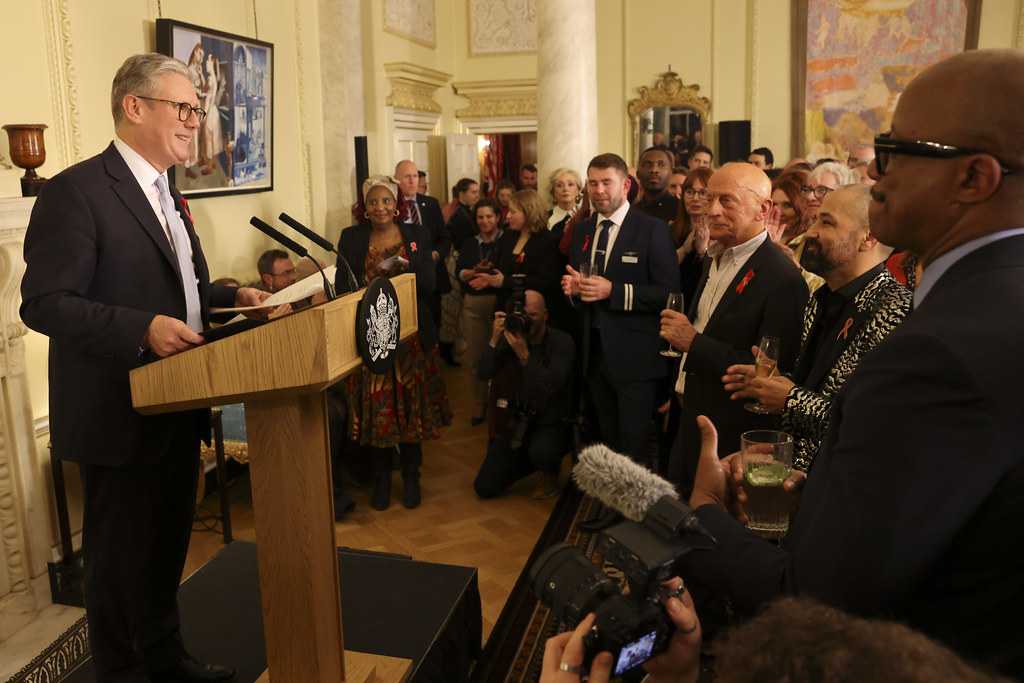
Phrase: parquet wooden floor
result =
(452, 526)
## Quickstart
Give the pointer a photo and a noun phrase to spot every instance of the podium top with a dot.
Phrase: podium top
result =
(301, 353)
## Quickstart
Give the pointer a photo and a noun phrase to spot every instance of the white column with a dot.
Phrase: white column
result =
(24, 508)
(566, 86)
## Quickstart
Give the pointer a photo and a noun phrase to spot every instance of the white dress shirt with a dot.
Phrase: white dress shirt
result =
(725, 264)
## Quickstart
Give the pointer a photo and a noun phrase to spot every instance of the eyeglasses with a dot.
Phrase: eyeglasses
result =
(690, 193)
(184, 109)
(819, 192)
(886, 145)
(285, 273)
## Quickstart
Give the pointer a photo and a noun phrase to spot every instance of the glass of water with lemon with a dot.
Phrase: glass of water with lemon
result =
(767, 458)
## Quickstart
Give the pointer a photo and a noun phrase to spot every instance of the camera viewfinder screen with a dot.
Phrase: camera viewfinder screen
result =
(635, 653)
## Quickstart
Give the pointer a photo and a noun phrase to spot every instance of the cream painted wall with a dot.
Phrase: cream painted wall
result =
(738, 51)
(99, 35)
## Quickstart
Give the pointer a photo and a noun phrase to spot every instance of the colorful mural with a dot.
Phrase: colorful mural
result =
(860, 56)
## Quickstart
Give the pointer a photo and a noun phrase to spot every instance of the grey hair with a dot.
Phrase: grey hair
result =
(844, 174)
(139, 75)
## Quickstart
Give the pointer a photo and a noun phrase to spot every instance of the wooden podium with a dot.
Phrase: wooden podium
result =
(280, 371)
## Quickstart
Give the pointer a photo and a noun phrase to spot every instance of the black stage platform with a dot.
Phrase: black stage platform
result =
(390, 605)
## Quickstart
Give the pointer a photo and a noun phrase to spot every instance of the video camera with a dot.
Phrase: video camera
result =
(633, 627)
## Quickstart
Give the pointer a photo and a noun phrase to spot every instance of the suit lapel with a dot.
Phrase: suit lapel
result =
(623, 240)
(127, 188)
(732, 294)
(705, 270)
(833, 343)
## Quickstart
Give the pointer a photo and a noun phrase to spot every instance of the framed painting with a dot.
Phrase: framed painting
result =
(853, 58)
(232, 151)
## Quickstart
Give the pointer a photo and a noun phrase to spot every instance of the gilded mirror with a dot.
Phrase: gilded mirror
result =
(673, 110)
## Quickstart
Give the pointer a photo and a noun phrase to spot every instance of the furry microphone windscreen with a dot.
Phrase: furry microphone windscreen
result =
(619, 482)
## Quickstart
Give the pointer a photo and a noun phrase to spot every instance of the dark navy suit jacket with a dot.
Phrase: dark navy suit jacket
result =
(910, 507)
(99, 268)
(643, 270)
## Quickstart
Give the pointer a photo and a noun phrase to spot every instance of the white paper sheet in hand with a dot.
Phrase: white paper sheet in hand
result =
(303, 289)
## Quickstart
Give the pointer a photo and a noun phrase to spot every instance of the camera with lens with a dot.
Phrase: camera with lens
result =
(633, 626)
(516, 320)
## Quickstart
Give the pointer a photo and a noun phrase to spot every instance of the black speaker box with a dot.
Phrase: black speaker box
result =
(733, 141)
(362, 163)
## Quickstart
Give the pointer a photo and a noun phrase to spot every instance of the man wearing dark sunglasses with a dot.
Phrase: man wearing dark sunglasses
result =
(912, 508)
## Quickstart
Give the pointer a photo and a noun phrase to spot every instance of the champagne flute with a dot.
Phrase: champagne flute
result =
(765, 364)
(674, 303)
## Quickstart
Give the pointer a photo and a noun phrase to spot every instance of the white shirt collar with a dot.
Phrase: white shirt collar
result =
(740, 251)
(143, 171)
(617, 216)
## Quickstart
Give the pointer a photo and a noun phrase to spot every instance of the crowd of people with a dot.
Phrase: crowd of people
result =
(907, 470)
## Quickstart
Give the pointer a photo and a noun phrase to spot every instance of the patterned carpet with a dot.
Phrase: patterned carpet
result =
(515, 649)
(59, 659)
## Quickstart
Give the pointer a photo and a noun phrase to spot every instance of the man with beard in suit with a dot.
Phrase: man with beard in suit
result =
(910, 507)
(115, 277)
(634, 270)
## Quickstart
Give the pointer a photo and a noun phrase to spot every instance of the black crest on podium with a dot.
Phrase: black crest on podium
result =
(377, 325)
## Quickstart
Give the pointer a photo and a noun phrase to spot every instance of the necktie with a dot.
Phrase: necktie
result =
(179, 240)
(602, 246)
(413, 211)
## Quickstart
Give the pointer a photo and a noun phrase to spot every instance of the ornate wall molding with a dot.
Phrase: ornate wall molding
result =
(502, 26)
(753, 96)
(63, 89)
(669, 91)
(17, 441)
(498, 99)
(411, 19)
(413, 86)
(300, 59)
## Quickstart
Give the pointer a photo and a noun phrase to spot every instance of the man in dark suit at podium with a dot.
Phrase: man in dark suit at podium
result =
(635, 269)
(115, 277)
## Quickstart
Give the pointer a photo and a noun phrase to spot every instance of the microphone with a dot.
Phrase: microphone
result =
(620, 483)
(295, 247)
(633, 490)
(278, 237)
(321, 242)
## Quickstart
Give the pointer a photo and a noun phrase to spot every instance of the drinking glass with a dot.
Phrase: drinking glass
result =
(767, 459)
(767, 360)
(674, 303)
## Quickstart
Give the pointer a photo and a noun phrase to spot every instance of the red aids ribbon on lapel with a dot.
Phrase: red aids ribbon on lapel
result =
(845, 332)
(520, 258)
(184, 205)
(412, 245)
(743, 283)
(586, 242)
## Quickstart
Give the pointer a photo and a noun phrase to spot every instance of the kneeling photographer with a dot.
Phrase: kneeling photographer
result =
(536, 401)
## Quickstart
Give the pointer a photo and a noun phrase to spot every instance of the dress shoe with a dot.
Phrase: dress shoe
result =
(191, 670)
(547, 486)
(411, 496)
(446, 355)
(479, 419)
(610, 518)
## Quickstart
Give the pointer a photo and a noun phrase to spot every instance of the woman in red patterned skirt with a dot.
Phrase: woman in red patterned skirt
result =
(408, 403)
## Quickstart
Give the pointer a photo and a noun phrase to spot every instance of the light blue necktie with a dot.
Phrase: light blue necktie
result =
(179, 240)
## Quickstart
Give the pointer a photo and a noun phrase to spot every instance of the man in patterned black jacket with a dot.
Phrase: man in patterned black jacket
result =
(860, 304)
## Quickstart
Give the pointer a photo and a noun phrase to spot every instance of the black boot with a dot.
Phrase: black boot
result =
(381, 461)
(411, 457)
(445, 349)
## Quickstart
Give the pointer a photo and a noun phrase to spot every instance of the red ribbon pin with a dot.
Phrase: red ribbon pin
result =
(845, 332)
(743, 283)
(586, 242)
(521, 255)
(412, 245)
(184, 205)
